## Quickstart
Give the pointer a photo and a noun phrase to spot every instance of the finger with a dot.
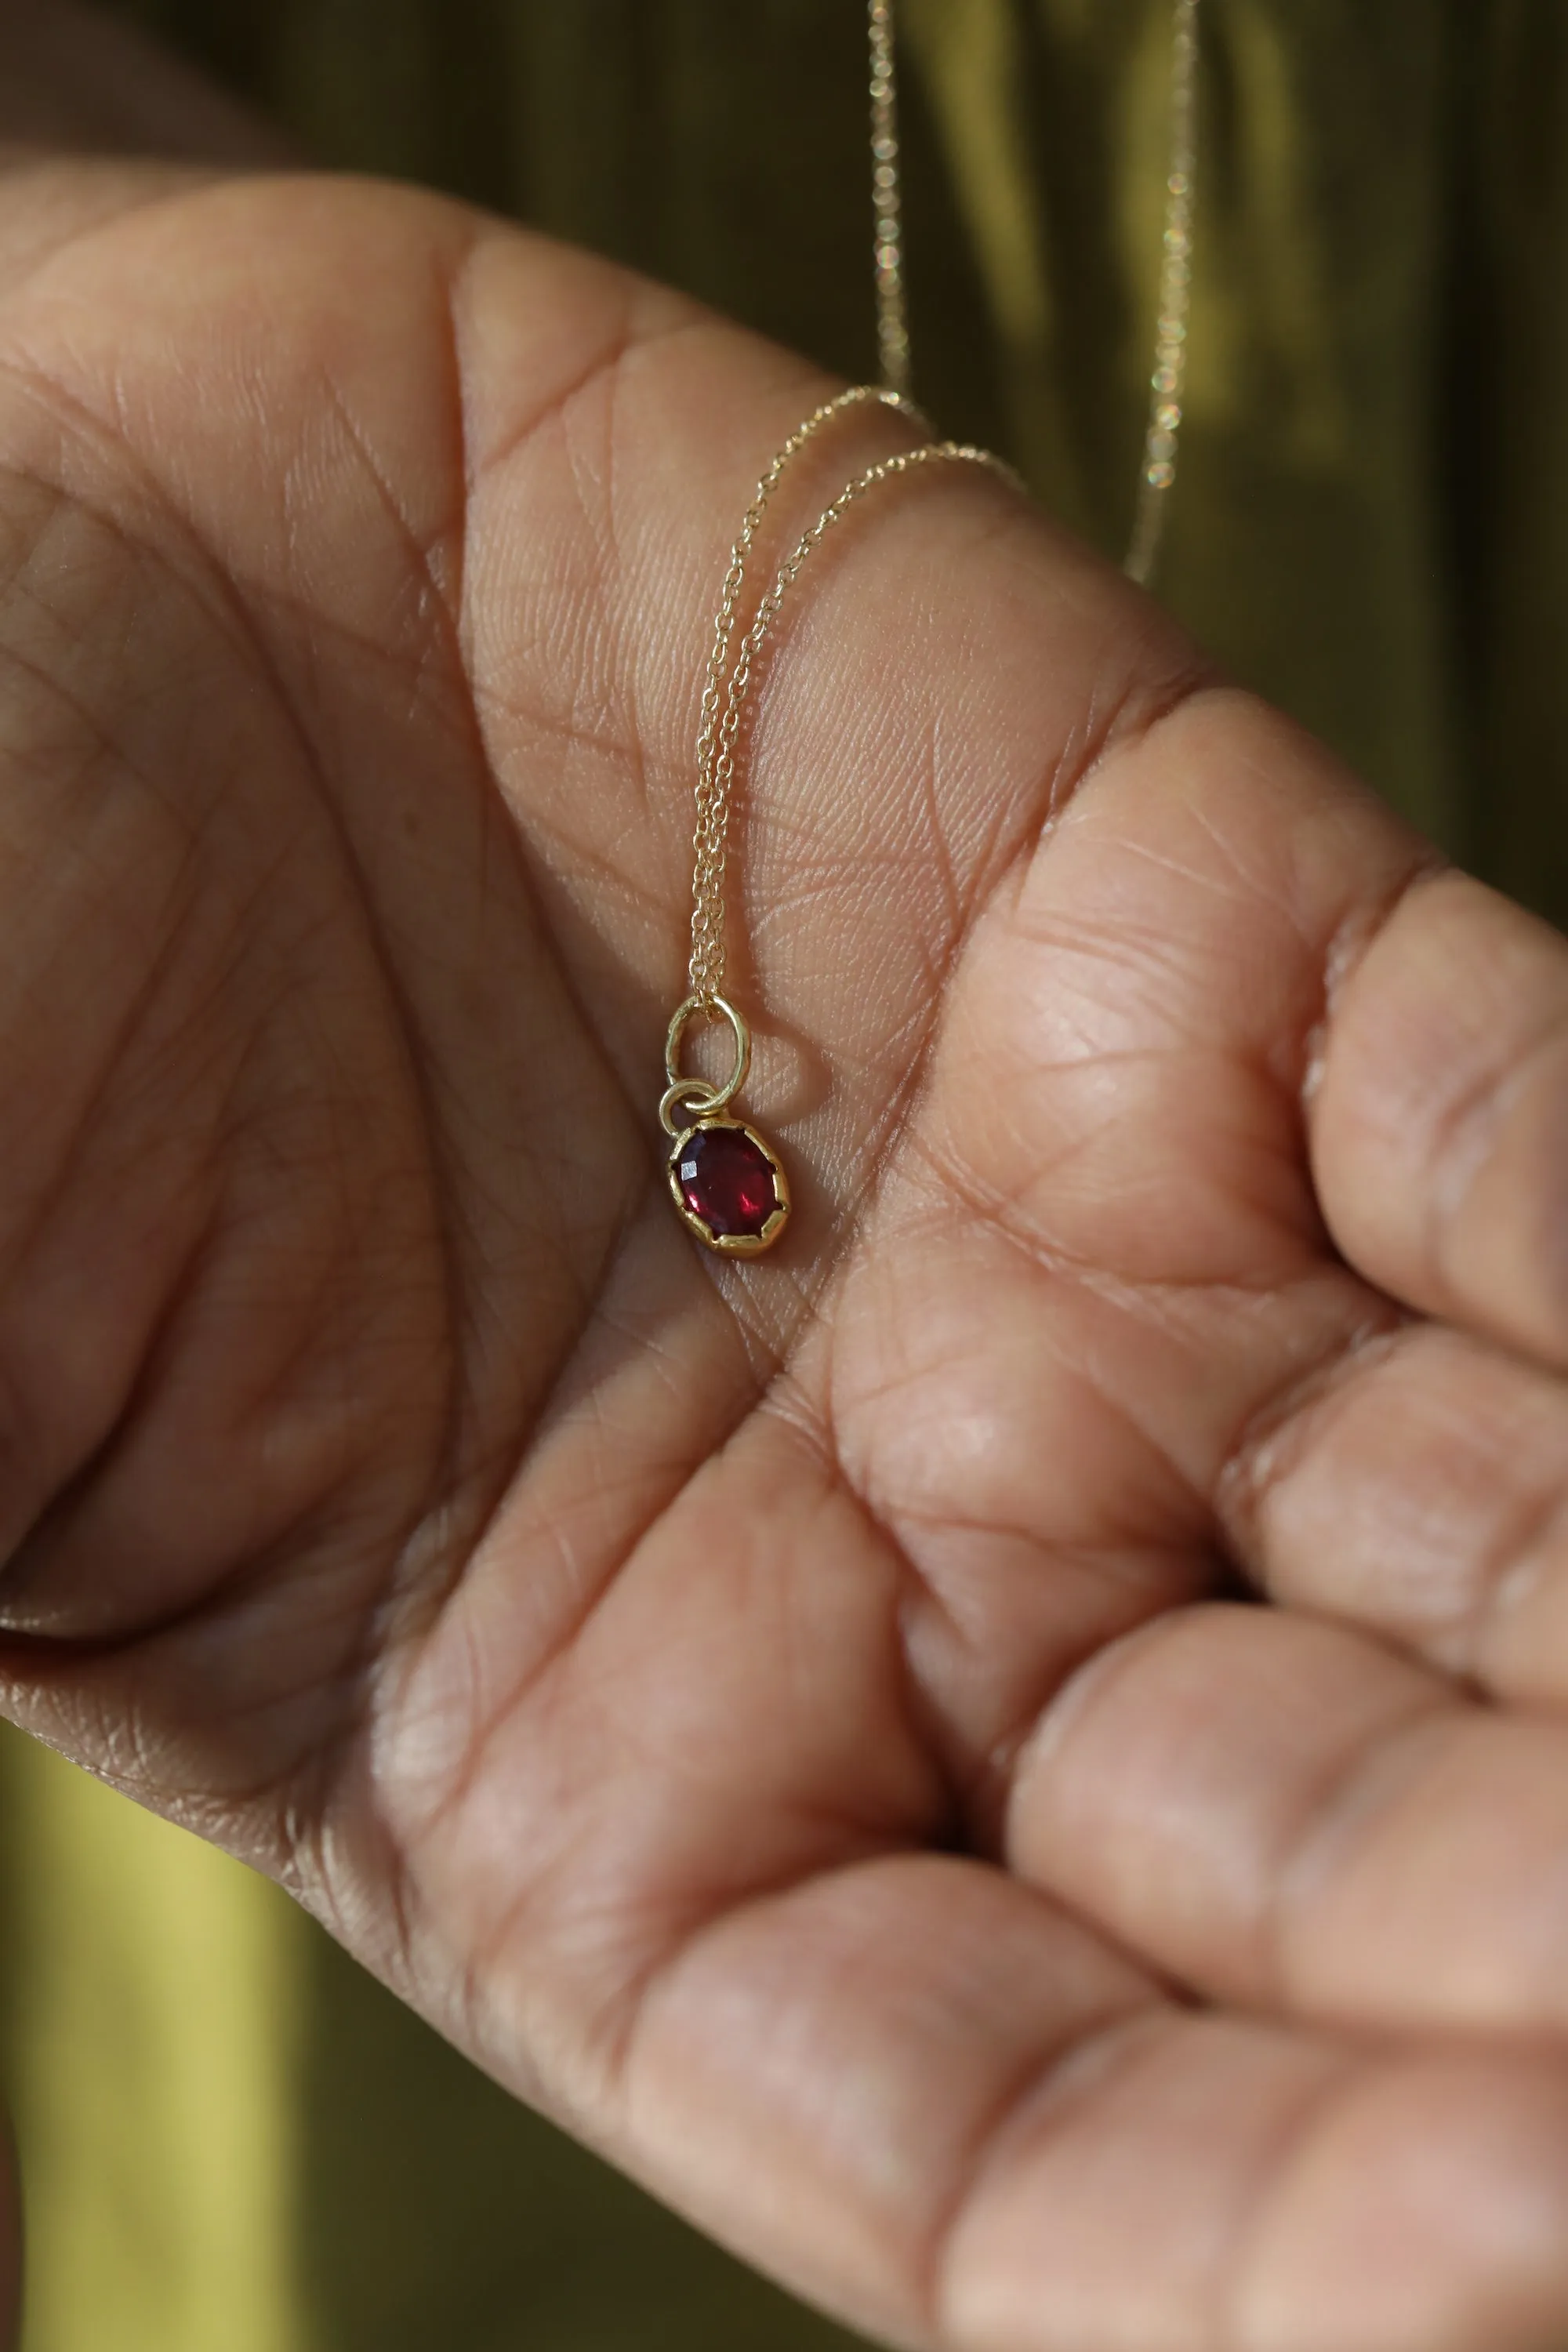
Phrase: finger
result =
(832, 2062)
(1232, 2183)
(677, 1861)
(1439, 1120)
(1280, 1811)
(930, 2098)
(1421, 1490)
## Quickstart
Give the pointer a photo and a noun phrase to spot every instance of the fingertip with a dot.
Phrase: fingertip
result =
(1425, 2210)
(1439, 1115)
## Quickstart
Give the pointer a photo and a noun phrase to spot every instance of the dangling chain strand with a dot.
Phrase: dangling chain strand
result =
(1157, 476)
(713, 823)
(719, 728)
(1168, 385)
(887, 204)
(727, 1181)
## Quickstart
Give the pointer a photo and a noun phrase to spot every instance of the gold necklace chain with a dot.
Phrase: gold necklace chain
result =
(729, 682)
(726, 1180)
(719, 726)
(1157, 474)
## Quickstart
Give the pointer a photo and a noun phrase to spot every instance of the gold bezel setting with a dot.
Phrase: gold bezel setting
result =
(731, 1244)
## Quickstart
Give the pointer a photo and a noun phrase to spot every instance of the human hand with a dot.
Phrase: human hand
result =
(793, 1723)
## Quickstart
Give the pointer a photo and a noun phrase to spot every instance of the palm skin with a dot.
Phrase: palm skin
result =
(798, 1723)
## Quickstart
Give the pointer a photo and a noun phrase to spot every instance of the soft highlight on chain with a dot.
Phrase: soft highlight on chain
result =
(1157, 475)
(1168, 384)
(887, 204)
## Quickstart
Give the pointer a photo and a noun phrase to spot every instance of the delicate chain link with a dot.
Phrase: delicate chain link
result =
(887, 204)
(716, 749)
(716, 736)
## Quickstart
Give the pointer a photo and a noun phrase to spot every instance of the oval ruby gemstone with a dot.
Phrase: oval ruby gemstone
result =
(726, 1180)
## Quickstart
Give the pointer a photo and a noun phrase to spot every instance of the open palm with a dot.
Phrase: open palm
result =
(804, 1724)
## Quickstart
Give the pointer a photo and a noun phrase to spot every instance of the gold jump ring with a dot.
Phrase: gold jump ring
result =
(716, 1097)
(682, 1103)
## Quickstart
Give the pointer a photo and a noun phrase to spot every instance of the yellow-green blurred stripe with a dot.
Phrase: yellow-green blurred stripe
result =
(152, 2032)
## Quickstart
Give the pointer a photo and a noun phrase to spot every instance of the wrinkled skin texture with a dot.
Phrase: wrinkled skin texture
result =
(804, 1725)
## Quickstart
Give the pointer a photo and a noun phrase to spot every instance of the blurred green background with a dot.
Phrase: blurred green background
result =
(232, 2139)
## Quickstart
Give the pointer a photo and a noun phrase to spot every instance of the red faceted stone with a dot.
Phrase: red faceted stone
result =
(726, 1179)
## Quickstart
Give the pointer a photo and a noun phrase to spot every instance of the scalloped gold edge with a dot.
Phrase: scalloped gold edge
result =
(732, 1244)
